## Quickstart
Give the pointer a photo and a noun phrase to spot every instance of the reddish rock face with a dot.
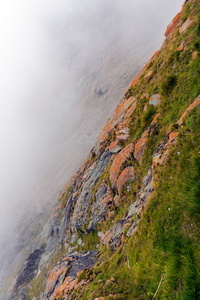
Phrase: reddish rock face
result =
(118, 161)
(181, 47)
(130, 110)
(172, 26)
(115, 147)
(68, 285)
(185, 26)
(116, 119)
(53, 277)
(190, 107)
(140, 146)
(126, 175)
(137, 78)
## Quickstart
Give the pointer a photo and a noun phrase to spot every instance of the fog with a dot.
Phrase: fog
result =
(64, 65)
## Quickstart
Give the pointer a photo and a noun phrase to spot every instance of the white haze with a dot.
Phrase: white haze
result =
(49, 51)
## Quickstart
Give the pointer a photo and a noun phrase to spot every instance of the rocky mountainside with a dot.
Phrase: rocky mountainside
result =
(127, 224)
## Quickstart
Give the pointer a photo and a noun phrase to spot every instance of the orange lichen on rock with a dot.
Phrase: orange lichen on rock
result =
(155, 119)
(185, 25)
(140, 145)
(53, 277)
(115, 147)
(137, 78)
(190, 107)
(115, 119)
(155, 99)
(130, 110)
(68, 285)
(172, 26)
(118, 161)
(126, 175)
(181, 47)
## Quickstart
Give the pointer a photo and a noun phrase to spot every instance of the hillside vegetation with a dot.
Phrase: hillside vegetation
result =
(128, 224)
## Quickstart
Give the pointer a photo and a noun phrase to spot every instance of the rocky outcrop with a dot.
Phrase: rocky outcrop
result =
(64, 276)
(123, 132)
(120, 158)
(100, 207)
(99, 190)
(117, 117)
(113, 236)
(140, 146)
(126, 175)
(29, 268)
(137, 78)
(173, 25)
(185, 26)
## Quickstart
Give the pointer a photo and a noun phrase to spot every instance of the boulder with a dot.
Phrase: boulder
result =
(126, 175)
(120, 158)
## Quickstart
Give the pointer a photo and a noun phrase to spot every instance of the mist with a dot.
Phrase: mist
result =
(64, 67)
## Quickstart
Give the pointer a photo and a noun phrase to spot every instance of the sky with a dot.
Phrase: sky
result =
(54, 54)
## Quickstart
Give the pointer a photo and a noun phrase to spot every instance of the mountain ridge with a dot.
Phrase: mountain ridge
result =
(107, 205)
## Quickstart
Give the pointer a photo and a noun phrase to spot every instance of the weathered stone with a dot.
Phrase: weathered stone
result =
(190, 107)
(116, 200)
(118, 161)
(64, 276)
(103, 199)
(126, 175)
(140, 146)
(185, 26)
(173, 25)
(79, 217)
(155, 119)
(123, 132)
(113, 236)
(137, 78)
(160, 155)
(155, 100)
(132, 228)
(115, 147)
(182, 46)
(29, 268)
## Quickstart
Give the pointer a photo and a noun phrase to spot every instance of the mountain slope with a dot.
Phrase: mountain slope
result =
(128, 221)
